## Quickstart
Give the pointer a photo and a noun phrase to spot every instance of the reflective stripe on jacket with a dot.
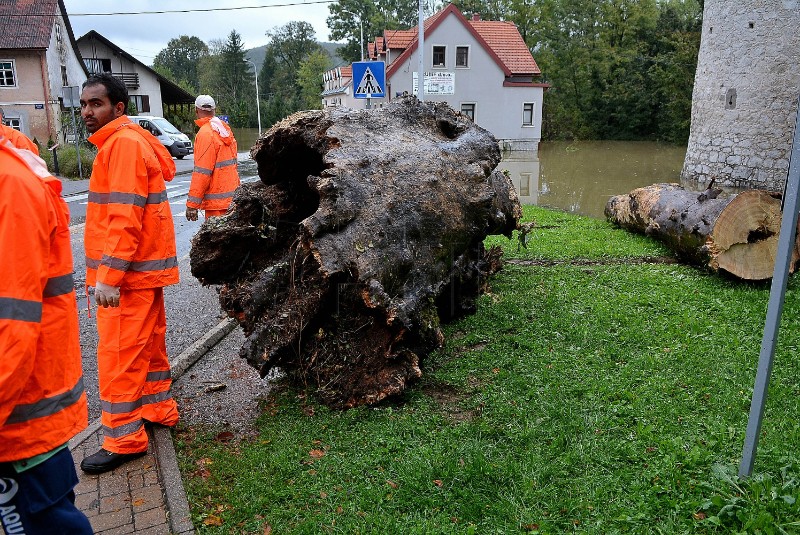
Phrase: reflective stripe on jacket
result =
(215, 177)
(42, 399)
(129, 237)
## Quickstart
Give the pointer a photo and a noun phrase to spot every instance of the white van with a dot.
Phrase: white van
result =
(178, 143)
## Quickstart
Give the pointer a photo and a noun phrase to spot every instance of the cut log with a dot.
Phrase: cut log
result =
(365, 232)
(734, 233)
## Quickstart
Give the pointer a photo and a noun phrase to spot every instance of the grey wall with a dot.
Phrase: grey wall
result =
(745, 94)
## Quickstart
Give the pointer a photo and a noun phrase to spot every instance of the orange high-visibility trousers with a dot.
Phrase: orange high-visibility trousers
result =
(215, 213)
(133, 369)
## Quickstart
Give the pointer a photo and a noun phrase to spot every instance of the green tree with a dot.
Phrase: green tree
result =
(309, 78)
(675, 47)
(614, 66)
(348, 16)
(230, 82)
(289, 46)
(293, 47)
(181, 58)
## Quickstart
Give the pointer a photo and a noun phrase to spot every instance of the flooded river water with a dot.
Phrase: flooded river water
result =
(580, 176)
(576, 176)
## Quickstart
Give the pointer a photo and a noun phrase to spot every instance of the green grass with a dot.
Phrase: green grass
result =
(68, 160)
(601, 395)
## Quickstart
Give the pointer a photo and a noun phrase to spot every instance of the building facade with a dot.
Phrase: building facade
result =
(150, 91)
(38, 60)
(481, 68)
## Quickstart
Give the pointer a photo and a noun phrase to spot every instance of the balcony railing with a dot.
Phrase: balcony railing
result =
(130, 79)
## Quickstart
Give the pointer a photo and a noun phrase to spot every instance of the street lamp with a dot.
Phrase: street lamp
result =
(361, 23)
(258, 101)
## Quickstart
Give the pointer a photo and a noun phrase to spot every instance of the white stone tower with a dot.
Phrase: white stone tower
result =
(745, 96)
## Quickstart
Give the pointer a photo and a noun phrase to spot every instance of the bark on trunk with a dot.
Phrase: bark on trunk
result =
(365, 231)
(734, 233)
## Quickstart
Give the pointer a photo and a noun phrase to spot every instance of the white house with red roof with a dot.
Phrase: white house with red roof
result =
(482, 68)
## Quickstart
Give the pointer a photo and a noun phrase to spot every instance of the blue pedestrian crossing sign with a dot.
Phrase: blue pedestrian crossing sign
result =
(369, 79)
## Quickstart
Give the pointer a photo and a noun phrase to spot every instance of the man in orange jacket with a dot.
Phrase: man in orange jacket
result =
(42, 398)
(17, 138)
(130, 256)
(215, 177)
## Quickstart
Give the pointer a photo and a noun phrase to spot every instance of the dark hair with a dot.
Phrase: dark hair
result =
(115, 88)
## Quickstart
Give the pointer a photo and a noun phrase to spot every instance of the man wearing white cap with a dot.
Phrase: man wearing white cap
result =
(215, 177)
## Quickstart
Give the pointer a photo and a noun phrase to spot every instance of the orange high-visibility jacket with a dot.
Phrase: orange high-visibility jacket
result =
(42, 399)
(18, 139)
(129, 237)
(215, 177)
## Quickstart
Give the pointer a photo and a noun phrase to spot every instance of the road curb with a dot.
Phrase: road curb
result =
(168, 472)
(180, 518)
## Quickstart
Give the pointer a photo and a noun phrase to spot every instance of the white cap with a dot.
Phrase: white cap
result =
(205, 102)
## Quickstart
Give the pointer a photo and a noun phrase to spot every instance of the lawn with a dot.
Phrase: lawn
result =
(599, 388)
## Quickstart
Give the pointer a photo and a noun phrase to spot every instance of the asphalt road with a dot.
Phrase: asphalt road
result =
(192, 309)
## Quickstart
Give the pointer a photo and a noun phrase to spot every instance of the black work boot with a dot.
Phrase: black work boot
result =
(104, 461)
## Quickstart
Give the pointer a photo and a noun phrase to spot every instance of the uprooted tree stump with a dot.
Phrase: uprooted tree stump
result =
(734, 233)
(365, 232)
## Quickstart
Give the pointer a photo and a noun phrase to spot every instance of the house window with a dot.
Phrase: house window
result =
(527, 114)
(462, 56)
(524, 184)
(439, 55)
(13, 123)
(468, 109)
(97, 66)
(60, 40)
(142, 102)
(64, 79)
(7, 73)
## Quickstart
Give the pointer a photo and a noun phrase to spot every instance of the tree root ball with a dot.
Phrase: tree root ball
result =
(364, 234)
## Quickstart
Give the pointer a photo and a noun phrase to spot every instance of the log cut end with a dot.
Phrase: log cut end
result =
(745, 238)
(734, 233)
(364, 234)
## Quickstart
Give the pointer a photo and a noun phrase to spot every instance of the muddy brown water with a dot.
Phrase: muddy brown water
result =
(576, 176)
(580, 177)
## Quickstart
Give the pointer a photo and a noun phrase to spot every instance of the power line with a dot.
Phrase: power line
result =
(289, 4)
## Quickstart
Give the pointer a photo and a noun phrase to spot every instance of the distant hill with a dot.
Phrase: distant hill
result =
(256, 55)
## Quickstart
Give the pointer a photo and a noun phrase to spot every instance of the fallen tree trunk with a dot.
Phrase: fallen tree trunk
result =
(365, 231)
(734, 233)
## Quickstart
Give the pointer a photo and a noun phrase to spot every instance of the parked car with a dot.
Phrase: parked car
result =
(178, 143)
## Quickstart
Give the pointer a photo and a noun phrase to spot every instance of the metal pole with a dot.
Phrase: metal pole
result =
(421, 55)
(777, 292)
(361, 23)
(258, 100)
(75, 127)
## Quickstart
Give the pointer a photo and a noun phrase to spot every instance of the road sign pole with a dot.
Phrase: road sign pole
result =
(783, 259)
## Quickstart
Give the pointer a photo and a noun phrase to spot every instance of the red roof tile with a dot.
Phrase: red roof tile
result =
(505, 40)
(27, 23)
(501, 40)
(399, 38)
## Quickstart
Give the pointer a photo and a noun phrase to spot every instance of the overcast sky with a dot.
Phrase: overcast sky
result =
(144, 36)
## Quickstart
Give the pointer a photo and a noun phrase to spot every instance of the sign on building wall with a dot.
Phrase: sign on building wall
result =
(437, 83)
